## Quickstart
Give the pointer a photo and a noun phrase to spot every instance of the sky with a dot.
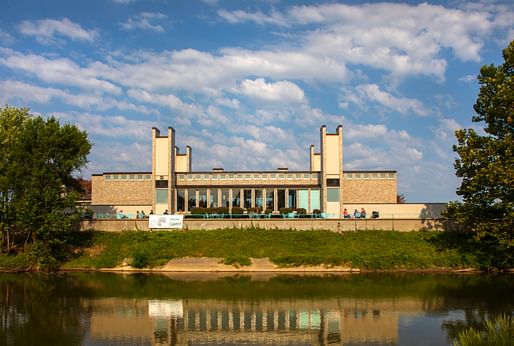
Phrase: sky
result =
(248, 84)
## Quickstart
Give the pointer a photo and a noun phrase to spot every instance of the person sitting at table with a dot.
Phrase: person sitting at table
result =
(345, 214)
(356, 214)
(363, 213)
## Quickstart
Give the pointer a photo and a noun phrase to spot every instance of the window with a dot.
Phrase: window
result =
(290, 176)
(281, 199)
(333, 194)
(281, 176)
(198, 177)
(332, 182)
(214, 177)
(139, 177)
(248, 176)
(306, 176)
(161, 196)
(230, 176)
(191, 201)
(256, 176)
(107, 177)
(264, 176)
(213, 199)
(225, 202)
(202, 198)
(247, 198)
(292, 199)
(190, 176)
(239, 176)
(123, 177)
(180, 200)
(258, 198)
(206, 177)
(181, 176)
(236, 197)
(161, 184)
(114, 177)
(270, 196)
(222, 177)
(132, 177)
(148, 177)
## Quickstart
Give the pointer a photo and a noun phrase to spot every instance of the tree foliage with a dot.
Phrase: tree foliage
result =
(486, 164)
(38, 191)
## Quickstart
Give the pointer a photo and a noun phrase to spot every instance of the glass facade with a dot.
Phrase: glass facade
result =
(191, 199)
(281, 199)
(247, 198)
(258, 198)
(225, 202)
(270, 199)
(236, 197)
(292, 199)
(181, 200)
(202, 198)
(213, 199)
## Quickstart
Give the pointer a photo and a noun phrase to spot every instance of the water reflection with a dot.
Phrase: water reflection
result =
(110, 309)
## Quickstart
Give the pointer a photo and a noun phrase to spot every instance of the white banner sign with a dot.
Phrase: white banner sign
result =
(166, 221)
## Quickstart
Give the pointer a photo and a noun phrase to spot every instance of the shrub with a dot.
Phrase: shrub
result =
(254, 210)
(301, 211)
(222, 210)
(141, 258)
(237, 211)
(237, 261)
(316, 211)
(196, 211)
(285, 210)
(268, 211)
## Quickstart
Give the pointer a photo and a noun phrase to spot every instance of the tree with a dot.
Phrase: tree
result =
(38, 189)
(486, 165)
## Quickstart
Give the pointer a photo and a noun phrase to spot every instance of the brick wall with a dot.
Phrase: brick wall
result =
(369, 191)
(121, 192)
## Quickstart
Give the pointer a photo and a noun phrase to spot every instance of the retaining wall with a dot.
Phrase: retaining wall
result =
(335, 225)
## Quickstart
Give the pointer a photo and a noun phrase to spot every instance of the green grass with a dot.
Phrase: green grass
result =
(372, 250)
(498, 332)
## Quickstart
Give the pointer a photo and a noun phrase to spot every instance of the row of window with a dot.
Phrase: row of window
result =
(253, 176)
(372, 175)
(249, 176)
(127, 176)
(244, 198)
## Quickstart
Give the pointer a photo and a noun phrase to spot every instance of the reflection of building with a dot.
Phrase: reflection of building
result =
(332, 321)
(172, 184)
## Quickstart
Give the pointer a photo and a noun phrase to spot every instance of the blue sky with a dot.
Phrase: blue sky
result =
(247, 84)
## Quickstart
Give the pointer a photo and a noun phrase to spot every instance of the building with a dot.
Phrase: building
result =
(173, 185)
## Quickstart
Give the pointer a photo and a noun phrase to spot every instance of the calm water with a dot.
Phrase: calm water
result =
(193, 309)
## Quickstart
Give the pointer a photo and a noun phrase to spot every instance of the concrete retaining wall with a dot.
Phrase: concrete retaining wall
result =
(336, 225)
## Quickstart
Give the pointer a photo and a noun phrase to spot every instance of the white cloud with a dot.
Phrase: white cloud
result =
(111, 126)
(15, 90)
(145, 21)
(168, 100)
(6, 38)
(239, 16)
(403, 39)
(59, 70)
(363, 94)
(47, 30)
(282, 91)
(468, 78)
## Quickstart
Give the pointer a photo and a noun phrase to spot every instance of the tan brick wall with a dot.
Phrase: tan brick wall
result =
(369, 191)
(120, 192)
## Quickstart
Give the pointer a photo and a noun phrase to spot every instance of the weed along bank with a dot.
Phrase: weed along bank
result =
(324, 191)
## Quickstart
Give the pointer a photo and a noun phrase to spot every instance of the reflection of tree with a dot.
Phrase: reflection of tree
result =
(38, 310)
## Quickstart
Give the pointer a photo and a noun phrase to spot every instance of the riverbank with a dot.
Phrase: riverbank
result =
(263, 250)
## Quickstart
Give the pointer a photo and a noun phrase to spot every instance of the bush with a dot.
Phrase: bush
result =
(268, 211)
(285, 210)
(196, 211)
(237, 211)
(140, 258)
(301, 211)
(254, 210)
(316, 211)
(237, 261)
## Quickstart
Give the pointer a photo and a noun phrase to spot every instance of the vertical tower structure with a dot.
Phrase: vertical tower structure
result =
(166, 160)
(331, 170)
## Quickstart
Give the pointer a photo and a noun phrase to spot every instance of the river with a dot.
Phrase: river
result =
(259, 309)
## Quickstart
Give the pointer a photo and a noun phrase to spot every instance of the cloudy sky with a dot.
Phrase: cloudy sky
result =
(248, 84)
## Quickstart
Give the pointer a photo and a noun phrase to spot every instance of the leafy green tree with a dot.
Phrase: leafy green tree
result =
(486, 166)
(37, 188)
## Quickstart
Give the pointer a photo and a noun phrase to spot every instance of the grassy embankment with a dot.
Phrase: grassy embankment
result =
(367, 250)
